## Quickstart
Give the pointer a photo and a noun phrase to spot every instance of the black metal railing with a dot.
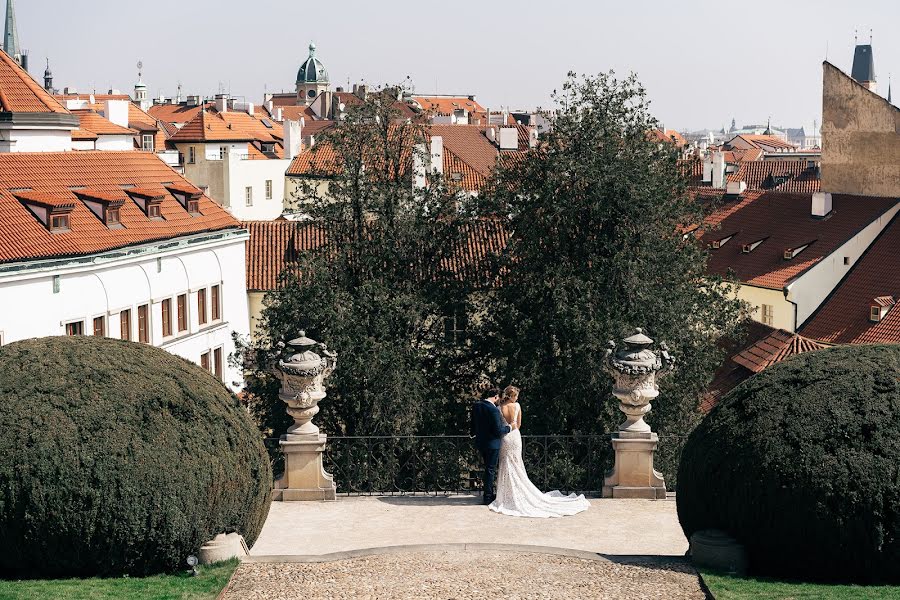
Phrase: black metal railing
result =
(450, 464)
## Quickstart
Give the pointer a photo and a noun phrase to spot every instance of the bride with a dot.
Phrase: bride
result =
(516, 495)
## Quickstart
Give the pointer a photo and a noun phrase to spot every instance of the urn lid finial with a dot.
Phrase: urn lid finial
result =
(302, 341)
(638, 338)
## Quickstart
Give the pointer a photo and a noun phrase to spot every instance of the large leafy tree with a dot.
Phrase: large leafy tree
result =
(378, 287)
(600, 220)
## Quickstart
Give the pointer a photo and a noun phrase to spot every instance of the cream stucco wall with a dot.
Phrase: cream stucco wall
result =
(756, 297)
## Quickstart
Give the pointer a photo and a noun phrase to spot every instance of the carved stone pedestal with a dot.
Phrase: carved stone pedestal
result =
(633, 475)
(304, 477)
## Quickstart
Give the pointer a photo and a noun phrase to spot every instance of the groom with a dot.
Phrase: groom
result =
(488, 429)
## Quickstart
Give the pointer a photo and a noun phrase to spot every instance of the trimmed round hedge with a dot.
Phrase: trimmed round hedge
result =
(119, 458)
(801, 464)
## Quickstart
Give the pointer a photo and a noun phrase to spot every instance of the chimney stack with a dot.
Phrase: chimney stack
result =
(718, 170)
(292, 139)
(821, 204)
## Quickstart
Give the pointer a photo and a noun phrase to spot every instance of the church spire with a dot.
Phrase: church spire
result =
(11, 37)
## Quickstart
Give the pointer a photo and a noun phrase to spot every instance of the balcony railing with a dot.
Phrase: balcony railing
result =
(450, 464)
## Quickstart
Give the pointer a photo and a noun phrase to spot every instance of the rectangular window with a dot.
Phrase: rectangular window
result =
(193, 207)
(204, 360)
(192, 155)
(125, 325)
(76, 328)
(144, 324)
(59, 223)
(223, 152)
(201, 306)
(182, 312)
(217, 359)
(268, 189)
(768, 314)
(112, 216)
(248, 196)
(99, 326)
(875, 314)
(455, 328)
(216, 308)
(147, 142)
(167, 317)
(153, 211)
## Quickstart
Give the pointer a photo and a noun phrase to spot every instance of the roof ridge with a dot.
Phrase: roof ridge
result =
(40, 94)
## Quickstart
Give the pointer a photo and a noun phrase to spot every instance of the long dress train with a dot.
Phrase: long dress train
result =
(517, 496)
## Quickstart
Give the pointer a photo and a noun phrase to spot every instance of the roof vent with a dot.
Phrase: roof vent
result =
(821, 204)
(880, 307)
(735, 188)
(748, 248)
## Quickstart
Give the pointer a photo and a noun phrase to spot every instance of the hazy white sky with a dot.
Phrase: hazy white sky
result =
(702, 61)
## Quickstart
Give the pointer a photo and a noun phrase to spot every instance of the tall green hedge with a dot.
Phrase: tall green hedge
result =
(119, 458)
(801, 464)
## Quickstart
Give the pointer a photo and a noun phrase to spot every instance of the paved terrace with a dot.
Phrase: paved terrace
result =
(610, 527)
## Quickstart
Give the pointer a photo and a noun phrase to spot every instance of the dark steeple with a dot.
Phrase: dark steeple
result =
(48, 78)
(863, 64)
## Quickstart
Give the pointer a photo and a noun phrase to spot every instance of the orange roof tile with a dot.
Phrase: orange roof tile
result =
(64, 175)
(274, 245)
(294, 113)
(176, 113)
(774, 348)
(445, 105)
(844, 316)
(19, 93)
(785, 221)
(91, 121)
(230, 126)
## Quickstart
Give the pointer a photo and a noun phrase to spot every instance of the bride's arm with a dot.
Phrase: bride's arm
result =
(519, 419)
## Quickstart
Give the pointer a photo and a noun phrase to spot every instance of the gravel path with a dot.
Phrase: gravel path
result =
(468, 574)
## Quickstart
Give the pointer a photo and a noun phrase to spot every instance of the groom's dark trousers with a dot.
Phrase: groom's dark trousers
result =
(488, 428)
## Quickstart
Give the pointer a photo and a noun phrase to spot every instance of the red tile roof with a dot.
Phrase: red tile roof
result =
(230, 126)
(794, 176)
(669, 135)
(294, 113)
(91, 121)
(175, 114)
(774, 348)
(761, 347)
(275, 245)
(63, 175)
(445, 105)
(785, 221)
(19, 93)
(844, 316)
(763, 142)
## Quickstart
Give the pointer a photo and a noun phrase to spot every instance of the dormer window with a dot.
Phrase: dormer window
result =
(52, 211)
(149, 201)
(748, 248)
(880, 307)
(790, 253)
(187, 196)
(716, 244)
(106, 206)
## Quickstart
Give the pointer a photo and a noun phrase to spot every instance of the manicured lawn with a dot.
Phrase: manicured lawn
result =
(205, 586)
(726, 587)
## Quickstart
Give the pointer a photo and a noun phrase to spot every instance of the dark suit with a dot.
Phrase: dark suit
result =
(488, 427)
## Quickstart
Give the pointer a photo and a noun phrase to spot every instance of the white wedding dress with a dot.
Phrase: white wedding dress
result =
(517, 496)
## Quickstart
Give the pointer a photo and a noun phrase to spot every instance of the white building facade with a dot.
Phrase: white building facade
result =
(185, 295)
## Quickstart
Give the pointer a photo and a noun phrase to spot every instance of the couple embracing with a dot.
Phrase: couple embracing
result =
(496, 426)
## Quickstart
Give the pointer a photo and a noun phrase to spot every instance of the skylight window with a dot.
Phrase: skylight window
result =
(267, 123)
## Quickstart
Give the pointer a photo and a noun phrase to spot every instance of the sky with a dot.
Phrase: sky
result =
(703, 62)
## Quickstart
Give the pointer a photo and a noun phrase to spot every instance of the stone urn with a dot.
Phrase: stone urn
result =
(302, 377)
(635, 369)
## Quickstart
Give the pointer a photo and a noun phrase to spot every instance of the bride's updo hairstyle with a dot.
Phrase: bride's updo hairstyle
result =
(510, 393)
